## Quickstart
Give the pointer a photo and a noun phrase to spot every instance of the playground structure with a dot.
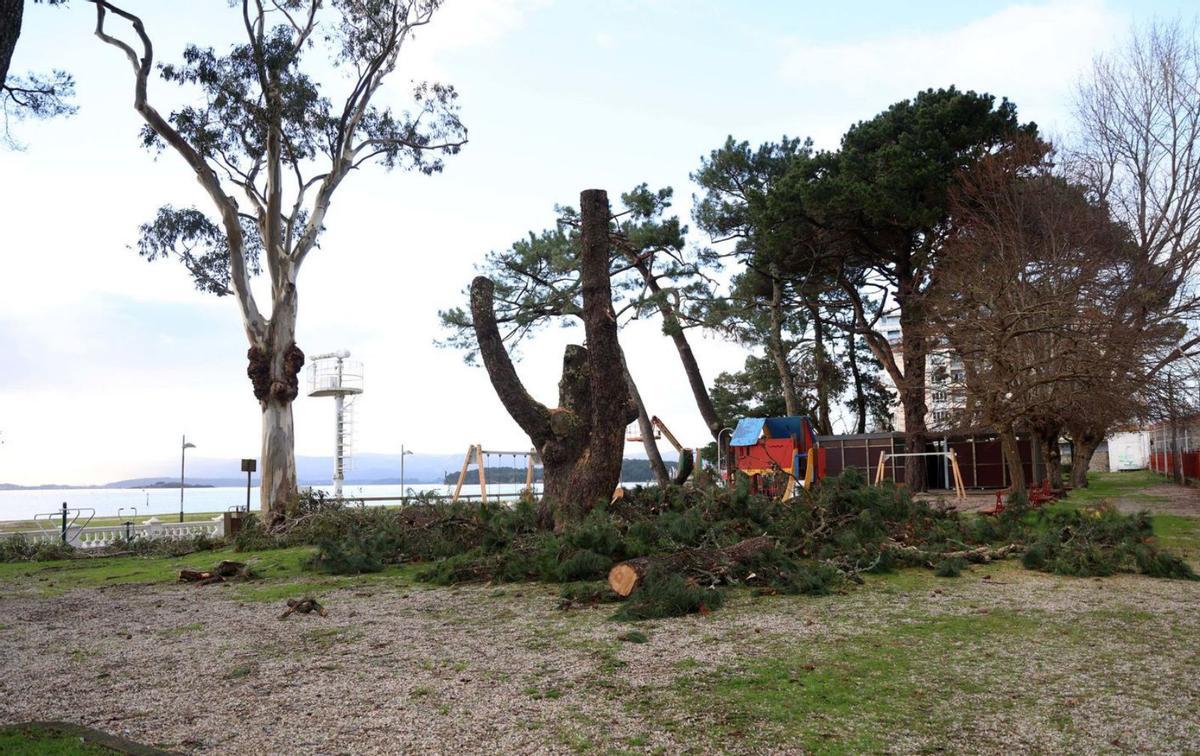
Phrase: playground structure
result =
(768, 448)
(334, 375)
(478, 456)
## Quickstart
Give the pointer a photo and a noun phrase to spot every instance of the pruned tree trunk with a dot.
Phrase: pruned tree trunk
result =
(274, 371)
(1012, 460)
(913, 399)
(581, 441)
(710, 564)
(1177, 453)
(1048, 435)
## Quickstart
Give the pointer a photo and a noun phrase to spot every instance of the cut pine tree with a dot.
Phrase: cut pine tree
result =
(625, 576)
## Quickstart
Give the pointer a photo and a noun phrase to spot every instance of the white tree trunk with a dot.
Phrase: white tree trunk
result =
(274, 371)
(278, 459)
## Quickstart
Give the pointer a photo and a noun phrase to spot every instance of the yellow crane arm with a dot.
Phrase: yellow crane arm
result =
(667, 434)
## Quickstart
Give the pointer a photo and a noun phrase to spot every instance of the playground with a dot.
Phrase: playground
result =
(1002, 658)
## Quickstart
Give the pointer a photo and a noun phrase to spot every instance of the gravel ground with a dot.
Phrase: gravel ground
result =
(481, 670)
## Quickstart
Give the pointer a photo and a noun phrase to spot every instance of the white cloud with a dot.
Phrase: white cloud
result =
(1031, 53)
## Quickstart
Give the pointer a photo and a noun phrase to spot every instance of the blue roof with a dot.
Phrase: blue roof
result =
(748, 431)
(786, 427)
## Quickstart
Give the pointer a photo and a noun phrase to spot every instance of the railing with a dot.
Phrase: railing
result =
(106, 535)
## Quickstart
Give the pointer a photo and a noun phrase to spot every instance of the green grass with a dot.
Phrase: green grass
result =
(281, 572)
(1124, 485)
(1178, 534)
(850, 695)
(34, 741)
(56, 577)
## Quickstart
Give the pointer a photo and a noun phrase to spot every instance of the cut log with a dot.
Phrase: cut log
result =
(193, 576)
(624, 577)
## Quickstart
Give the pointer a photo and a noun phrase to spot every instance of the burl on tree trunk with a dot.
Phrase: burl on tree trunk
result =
(582, 440)
(275, 376)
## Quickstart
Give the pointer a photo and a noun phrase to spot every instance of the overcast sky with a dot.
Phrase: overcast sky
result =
(106, 359)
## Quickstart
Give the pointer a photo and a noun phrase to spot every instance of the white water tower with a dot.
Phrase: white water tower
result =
(335, 375)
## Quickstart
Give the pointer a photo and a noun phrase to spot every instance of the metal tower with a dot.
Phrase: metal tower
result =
(335, 375)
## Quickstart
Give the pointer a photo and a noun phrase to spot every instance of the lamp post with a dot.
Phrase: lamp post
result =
(184, 446)
(403, 453)
(722, 457)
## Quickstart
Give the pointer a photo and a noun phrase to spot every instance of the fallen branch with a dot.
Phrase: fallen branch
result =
(977, 555)
(219, 574)
(303, 606)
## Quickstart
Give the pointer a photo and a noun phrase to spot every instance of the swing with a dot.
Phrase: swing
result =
(478, 456)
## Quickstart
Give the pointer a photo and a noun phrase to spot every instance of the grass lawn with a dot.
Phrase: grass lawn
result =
(1001, 659)
(1112, 485)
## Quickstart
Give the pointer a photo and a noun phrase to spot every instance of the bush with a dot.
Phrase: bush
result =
(1097, 542)
(950, 568)
(18, 548)
(354, 552)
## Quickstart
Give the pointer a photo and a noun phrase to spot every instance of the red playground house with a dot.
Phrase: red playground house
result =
(766, 448)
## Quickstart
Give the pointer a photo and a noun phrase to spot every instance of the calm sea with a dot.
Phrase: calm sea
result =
(160, 502)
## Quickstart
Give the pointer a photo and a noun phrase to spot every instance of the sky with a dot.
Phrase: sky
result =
(106, 359)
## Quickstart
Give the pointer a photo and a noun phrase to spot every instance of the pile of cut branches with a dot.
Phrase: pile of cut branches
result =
(671, 549)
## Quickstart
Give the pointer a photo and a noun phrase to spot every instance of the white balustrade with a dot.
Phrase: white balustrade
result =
(106, 535)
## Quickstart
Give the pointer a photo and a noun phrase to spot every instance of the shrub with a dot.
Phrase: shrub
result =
(951, 567)
(18, 548)
(1099, 541)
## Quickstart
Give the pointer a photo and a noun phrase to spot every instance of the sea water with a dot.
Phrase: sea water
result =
(163, 502)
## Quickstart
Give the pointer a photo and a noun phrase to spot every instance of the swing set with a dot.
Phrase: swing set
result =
(960, 490)
(477, 456)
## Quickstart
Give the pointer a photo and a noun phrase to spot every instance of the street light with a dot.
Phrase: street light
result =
(720, 467)
(184, 446)
(403, 453)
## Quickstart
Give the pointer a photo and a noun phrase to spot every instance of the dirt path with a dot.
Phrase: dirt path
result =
(482, 670)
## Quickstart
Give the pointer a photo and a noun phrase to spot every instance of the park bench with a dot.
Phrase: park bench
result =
(1038, 496)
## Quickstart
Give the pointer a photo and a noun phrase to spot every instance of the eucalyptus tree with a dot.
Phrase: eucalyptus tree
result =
(31, 95)
(270, 148)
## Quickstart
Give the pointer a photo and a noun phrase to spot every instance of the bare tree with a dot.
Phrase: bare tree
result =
(1024, 281)
(580, 441)
(1139, 151)
(264, 131)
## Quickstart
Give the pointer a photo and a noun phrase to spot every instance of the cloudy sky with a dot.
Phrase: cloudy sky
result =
(106, 359)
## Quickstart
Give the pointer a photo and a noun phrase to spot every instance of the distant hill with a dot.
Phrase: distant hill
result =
(364, 469)
(632, 471)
